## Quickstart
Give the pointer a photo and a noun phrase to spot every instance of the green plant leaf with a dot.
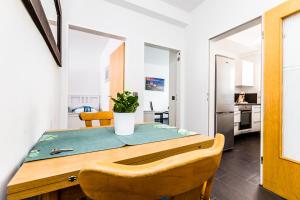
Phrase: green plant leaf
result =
(125, 102)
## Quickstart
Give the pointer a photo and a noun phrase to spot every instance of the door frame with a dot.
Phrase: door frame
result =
(63, 118)
(212, 74)
(178, 108)
(212, 80)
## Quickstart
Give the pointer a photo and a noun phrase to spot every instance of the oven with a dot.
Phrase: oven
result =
(246, 117)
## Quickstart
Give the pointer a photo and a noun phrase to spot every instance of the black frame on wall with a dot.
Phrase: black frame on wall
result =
(37, 13)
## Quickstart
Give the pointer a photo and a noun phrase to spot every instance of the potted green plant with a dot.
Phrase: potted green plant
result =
(124, 112)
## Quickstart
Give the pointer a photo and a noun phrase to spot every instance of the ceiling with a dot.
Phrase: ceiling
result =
(187, 5)
(243, 42)
(249, 38)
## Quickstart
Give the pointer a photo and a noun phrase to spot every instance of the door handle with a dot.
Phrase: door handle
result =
(225, 112)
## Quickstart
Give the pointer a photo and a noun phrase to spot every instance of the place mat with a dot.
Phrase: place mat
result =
(149, 133)
(81, 141)
(98, 139)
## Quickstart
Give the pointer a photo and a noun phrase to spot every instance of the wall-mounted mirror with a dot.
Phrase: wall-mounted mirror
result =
(46, 15)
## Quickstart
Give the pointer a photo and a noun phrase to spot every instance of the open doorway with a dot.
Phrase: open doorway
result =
(96, 72)
(235, 108)
(160, 94)
(237, 61)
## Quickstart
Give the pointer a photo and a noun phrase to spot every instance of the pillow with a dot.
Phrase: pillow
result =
(84, 109)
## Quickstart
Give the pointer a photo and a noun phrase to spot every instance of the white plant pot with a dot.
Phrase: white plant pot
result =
(124, 123)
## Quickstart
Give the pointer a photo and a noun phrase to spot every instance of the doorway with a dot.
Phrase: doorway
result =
(235, 108)
(160, 94)
(96, 72)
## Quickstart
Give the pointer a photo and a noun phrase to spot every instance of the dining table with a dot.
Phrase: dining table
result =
(52, 177)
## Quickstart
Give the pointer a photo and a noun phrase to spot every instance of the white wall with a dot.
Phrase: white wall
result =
(157, 66)
(105, 17)
(89, 56)
(85, 52)
(211, 18)
(29, 85)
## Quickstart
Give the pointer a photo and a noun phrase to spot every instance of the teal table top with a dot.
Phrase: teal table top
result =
(98, 139)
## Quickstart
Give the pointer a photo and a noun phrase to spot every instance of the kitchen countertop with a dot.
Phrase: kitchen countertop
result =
(247, 104)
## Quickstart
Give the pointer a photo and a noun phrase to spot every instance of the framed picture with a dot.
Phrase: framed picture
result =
(155, 84)
(42, 19)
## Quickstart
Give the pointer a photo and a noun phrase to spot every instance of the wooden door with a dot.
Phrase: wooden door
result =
(281, 151)
(116, 72)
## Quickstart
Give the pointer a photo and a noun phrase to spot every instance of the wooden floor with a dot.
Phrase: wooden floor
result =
(238, 176)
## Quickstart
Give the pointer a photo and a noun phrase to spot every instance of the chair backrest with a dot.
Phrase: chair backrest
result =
(104, 118)
(184, 176)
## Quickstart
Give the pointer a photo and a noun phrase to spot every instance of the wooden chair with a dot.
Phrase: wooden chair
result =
(104, 118)
(186, 176)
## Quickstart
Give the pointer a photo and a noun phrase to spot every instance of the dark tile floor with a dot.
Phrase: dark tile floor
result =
(238, 175)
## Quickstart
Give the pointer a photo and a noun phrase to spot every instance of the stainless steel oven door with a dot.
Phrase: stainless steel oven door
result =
(246, 120)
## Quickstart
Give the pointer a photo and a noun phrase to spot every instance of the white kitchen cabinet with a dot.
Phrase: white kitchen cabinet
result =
(256, 112)
(237, 117)
(236, 128)
(244, 73)
(236, 108)
(237, 120)
(256, 126)
(256, 118)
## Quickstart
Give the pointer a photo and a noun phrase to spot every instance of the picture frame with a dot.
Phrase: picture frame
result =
(154, 84)
(37, 13)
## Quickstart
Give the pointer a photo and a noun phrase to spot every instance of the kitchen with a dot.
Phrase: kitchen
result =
(247, 114)
(237, 62)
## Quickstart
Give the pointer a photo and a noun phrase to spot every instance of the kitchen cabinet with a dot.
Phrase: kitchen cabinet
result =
(237, 120)
(256, 118)
(237, 117)
(244, 73)
(255, 122)
(236, 128)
